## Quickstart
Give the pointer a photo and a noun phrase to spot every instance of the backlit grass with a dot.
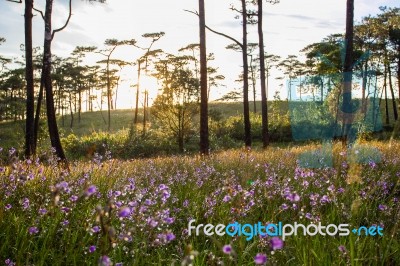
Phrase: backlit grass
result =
(136, 212)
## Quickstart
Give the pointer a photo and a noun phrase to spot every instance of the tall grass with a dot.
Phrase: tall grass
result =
(136, 212)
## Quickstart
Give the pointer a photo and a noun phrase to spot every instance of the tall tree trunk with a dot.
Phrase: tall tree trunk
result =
(51, 117)
(144, 112)
(135, 121)
(348, 72)
(364, 87)
(79, 105)
(392, 92)
(38, 110)
(30, 148)
(204, 141)
(398, 76)
(71, 111)
(108, 94)
(90, 100)
(264, 103)
(246, 111)
(386, 99)
(253, 83)
(116, 95)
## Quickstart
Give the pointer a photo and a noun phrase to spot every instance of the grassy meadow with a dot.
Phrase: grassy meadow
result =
(111, 208)
(137, 212)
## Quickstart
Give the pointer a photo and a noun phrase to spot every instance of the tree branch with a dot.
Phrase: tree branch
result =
(15, 1)
(66, 23)
(39, 11)
(218, 33)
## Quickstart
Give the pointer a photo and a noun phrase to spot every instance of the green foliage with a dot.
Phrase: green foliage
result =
(175, 108)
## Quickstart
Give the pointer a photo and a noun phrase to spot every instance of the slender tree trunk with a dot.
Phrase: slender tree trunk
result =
(264, 103)
(51, 117)
(180, 130)
(79, 105)
(398, 76)
(392, 92)
(253, 83)
(348, 72)
(246, 111)
(386, 99)
(62, 114)
(116, 95)
(108, 94)
(144, 112)
(148, 108)
(204, 141)
(38, 110)
(363, 88)
(90, 99)
(30, 148)
(135, 121)
(71, 111)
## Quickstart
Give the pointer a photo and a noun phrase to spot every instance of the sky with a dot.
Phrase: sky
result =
(288, 27)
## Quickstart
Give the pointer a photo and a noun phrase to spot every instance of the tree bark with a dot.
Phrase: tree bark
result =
(51, 117)
(38, 110)
(144, 112)
(348, 72)
(79, 104)
(387, 120)
(253, 83)
(392, 92)
(108, 93)
(246, 111)
(135, 121)
(204, 140)
(264, 103)
(30, 147)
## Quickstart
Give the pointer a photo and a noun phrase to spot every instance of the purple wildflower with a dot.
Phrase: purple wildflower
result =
(25, 203)
(342, 249)
(162, 187)
(8, 206)
(169, 237)
(90, 190)
(33, 230)
(227, 249)
(96, 229)
(169, 220)
(260, 259)
(105, 261)
(382, 207)
(9, 262)
(153, 223)
(340, 190)
(73, 198)
(226, 198)
(324, 199)
(284, 206)
(293, 197)
(62, 185)
(124, 212)
(92, 249)
(65, 209)
(276, 243)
